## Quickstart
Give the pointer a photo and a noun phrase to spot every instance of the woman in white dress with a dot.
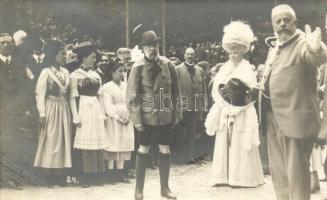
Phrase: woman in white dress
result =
(119, 128)
(236, 159)
(52, 91)
(88, 115)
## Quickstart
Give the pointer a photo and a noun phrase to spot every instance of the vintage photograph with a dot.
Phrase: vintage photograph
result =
(163, 99)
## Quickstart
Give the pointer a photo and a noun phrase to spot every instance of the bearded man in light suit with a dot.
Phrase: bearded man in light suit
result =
(289, 103)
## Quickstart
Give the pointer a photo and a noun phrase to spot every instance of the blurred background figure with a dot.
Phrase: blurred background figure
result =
(193, 86)
(12, 113)
(124, 54)
(19, 37)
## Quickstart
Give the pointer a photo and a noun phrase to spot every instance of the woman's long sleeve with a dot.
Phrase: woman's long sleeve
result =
(109, 106)
(100, 98)
(40, 92)
(72, 100)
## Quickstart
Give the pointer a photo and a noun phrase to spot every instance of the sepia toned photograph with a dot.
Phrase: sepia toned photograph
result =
(163, 99)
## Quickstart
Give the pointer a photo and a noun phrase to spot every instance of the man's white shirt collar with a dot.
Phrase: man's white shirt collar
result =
(36, 57)
(4, 58)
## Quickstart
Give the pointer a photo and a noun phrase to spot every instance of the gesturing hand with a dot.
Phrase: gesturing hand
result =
(313, 38)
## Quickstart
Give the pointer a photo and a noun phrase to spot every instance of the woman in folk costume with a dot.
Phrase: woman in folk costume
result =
(88, 115)
(119, 128)
(233, 117)
(52, 93)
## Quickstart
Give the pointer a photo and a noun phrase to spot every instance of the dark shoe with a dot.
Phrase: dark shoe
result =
(84, 185)
(151, 165)
(130, 175)
(191, 161)
(51, 181)
(164, 168)
(15, 185)
(138, 196)
(110, 177)
(97, 183)
(98, 179)
(141, 163)
(220, 185)
(180, 159)
(85, 181)
(168, 194)
(120, 177)
(208, 157)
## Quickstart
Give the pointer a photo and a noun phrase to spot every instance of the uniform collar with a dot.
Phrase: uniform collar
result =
(294, 37)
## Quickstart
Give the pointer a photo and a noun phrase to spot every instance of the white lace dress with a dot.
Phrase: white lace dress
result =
(236, 159)
(120, 137)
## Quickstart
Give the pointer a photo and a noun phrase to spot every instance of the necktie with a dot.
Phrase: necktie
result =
(155, 70)
(8, 67)
(191, 70)
(39, 59)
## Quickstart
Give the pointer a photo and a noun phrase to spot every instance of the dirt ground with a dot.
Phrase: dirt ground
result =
(188, 182)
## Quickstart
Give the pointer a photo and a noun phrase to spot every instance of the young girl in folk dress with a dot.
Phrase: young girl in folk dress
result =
(237, 162)
(52, 91)
(88, 116)
(119, 128)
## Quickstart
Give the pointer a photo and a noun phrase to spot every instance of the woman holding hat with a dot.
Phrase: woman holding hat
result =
(52, 90)
(119, 128)
(88, 116)
(233, 117)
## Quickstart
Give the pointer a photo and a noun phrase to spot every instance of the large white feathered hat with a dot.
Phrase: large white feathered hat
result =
(237, 32)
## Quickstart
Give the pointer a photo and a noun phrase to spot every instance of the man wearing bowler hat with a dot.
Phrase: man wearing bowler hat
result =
(290, 102)
(152, 97)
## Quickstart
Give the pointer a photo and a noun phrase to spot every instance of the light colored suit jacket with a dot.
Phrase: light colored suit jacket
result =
(293, 86)
(323, 129)
(153, 101)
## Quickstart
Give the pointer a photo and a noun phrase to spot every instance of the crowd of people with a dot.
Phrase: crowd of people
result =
(100, 114)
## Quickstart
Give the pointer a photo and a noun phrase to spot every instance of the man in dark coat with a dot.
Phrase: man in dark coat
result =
(12, 98)
(12, 86)
(34, 63)
(194, 104)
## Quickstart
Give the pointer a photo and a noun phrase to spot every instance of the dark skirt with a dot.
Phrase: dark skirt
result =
(91, 161)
